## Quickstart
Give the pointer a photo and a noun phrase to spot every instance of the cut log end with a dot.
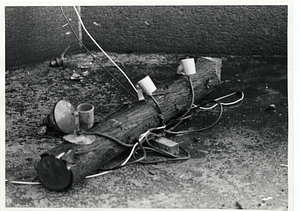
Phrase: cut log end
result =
(53, 173)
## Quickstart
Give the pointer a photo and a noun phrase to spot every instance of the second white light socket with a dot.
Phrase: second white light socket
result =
(189, 67)
(147, 85)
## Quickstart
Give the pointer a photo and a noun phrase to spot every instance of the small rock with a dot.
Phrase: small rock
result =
(151, 172)
(271, 107)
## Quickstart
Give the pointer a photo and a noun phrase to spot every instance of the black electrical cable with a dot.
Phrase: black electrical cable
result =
(180, 119)
(161, 116)
(94, 57)
(140, 160)
(201, 129)
(157, 104)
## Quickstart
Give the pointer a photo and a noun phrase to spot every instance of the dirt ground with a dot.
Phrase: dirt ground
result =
(240, 163)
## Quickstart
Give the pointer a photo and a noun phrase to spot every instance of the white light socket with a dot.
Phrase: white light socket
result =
(147, 85)
(189, 67)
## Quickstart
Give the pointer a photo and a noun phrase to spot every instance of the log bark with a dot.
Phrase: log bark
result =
(67, 164)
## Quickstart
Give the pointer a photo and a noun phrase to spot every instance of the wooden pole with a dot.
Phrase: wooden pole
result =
(68, 163)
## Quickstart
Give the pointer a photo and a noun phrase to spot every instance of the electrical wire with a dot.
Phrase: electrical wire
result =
(161, 116)
(144, 137)
(217, 103)
(22, 182)
(94, 57)
(234, 102)
(133, 150)
(82, 24)
(190, 107)
(192, 98)
(224, 104)
(202, 129)
(122, 164)
(157, 104)
(125, 162)
(162, 152)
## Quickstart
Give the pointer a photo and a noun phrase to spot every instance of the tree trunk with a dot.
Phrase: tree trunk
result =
(68, 163)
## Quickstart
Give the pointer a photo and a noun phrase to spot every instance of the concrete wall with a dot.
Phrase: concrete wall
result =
(233, 30)
(36, 33)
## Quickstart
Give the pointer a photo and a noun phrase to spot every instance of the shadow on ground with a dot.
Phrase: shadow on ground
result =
(240, 162)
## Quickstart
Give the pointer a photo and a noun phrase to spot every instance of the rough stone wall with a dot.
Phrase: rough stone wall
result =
(36, 33)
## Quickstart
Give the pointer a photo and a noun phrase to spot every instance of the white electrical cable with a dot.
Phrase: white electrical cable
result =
(224, 104)
(126, 161)
(106, 172)
(140, 141)
(79, 18)
(141, 138)
(99, 174)
(231, 103)
(22, 182)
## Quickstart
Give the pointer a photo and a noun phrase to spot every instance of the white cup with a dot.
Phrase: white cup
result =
(86, 115)
(147, 85)
(189, 67)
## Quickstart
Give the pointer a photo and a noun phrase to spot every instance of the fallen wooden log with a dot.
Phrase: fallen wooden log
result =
(68, 163)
